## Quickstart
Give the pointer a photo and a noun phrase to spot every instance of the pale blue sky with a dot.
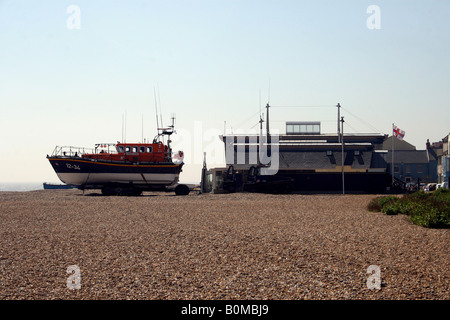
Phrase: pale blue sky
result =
(210, 61)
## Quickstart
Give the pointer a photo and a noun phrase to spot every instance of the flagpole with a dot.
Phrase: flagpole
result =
(342, 152)
(392, 169)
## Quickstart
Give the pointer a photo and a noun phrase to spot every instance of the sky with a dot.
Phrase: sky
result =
(75, 72)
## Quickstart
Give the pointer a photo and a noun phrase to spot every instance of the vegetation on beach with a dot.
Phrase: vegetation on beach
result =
(431, 210)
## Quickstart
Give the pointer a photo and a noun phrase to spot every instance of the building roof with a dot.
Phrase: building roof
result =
(309, 152)
(398, 144)
(373, 138)
(311, 160)
(320, 160)
(435, 153)
(407, 156)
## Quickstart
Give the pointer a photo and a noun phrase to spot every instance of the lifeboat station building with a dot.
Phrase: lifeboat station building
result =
(316, 162)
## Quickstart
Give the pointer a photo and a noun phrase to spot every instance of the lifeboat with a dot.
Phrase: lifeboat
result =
(121, 168)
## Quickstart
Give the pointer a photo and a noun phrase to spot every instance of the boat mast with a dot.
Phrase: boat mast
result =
(156, 114)
(170, 131)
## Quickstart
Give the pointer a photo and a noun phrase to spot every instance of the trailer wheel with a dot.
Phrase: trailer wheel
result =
(120, 191)
(231, 188)
(108, 191)
(182, 190)
(287, 188)
(136, 192)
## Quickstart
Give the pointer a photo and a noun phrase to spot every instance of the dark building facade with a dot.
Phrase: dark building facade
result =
(369, 163)
(409, 164)
(316, 162)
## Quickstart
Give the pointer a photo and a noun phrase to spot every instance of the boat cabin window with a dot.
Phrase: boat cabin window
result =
(127, 149)
(149, 149)
(141, 149)
(135, 149)
(121, 149)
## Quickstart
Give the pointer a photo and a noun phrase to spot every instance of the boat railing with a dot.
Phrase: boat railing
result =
(105, 147)
(71, 151)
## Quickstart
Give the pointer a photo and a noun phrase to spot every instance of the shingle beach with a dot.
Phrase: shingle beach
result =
(225, 246)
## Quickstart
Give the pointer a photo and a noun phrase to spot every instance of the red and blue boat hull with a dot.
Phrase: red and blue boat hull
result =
(84, 173)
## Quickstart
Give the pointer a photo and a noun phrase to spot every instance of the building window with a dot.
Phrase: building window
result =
(316, 128)
(408, 169)
(289, 128)
(219, 179)
(419, 169)
(306, 127)
(396, 169)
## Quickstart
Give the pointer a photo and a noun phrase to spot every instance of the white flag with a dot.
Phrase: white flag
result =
(398, 133)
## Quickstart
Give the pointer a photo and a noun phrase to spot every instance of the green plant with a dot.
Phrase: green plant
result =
(377, 204)
(374, 205)
(388, 200)
(431, 210)
(442, 194)
(429, 216)
(392, 208)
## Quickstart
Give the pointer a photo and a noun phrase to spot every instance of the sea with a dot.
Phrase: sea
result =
(21, 186)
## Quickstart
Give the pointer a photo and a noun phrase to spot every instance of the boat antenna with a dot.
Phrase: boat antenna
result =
(172, 126)
(169, 132)
(124, 127)
(156, 110)
(160, 111)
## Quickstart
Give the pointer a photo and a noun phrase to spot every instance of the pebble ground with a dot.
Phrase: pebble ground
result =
(210, 247)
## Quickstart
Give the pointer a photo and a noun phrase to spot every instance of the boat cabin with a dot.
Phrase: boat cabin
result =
(131, 152)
